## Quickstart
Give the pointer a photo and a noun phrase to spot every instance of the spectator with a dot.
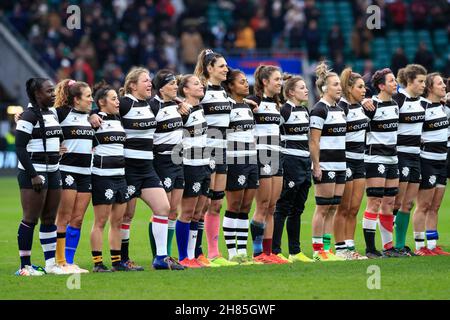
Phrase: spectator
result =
(398, 14)
(367, 74)
(82, 71)
(245, 37)
(296, 36)
(312, 38)
(336, 42)
(439, 10)
(191, 44)
(263, 35)
(361, 37)
(399, 60)
(419, 12)
(338, 63)
(424, 57)
(311, 11)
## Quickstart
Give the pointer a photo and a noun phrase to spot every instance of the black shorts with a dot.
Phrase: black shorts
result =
(337, 177)
(269, 164)
(448, 164)
(381, 170)
(141, 178)
(218, 164)
(296, 170)
(355, 169)
(170, 174)
(109, 190)
(196, 181)
(409, 167)
(242, 176)
(52, 180)
(433, 173)
(75, 181)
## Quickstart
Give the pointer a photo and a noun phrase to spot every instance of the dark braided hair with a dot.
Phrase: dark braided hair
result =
(32, 86)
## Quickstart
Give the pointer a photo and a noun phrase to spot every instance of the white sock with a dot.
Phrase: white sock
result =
(159, 229)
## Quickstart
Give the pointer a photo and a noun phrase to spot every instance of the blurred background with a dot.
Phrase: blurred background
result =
(294, 34)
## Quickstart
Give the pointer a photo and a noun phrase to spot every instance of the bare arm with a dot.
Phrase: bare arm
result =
(314, 149)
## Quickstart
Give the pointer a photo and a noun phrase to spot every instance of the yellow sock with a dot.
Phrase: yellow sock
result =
(61, 248)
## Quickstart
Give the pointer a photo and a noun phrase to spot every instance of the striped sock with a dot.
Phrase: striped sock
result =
(419, 239)
(193, 231)
(182, 232)
(159, 229)
(97, 257)
(170, 234)
(25, 242)
(72, 240)
(242, 225)
(125, 235)
(317, 243)
(369, 225)
(198, 244)
(340, 246)
(60, 248)
(47, 236)
(257, 230)
(432, 238)
(350, 244)
(229, 232)
(115, 257)
(386, 227)
(326, 241)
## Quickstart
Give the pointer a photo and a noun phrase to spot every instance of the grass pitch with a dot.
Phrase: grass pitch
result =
(409, 278)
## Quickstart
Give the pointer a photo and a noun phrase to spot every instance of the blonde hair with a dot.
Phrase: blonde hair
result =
(182, 81)
(323, 73)
(66, 91)
(348, 80)
(132, 77)
(429, 82)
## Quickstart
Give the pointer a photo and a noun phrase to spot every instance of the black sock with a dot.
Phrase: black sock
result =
(369, 237)
(25, 241)
(124, 249)
(293, 231)
(257, 230)
(115, 257)
(198, 244)
(279, 218)
(97, 258)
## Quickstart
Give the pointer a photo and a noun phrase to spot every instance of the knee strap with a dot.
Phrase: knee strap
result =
(321, 201)
(217, 195)
(390, 192)
(337, 200)
(375, 192)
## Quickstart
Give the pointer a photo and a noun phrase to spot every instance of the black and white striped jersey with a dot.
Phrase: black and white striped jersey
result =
(357, 124)
(43, 159)
(109, 156)
(169, 126)
(241, 144)
(294, 130)
(194, 138)
(268, 120)
(435, 132)
(411, 118)
(447, 111)
(139, 123)
(381, 138)
(331, 121)
(78, 137)
(217, 108)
